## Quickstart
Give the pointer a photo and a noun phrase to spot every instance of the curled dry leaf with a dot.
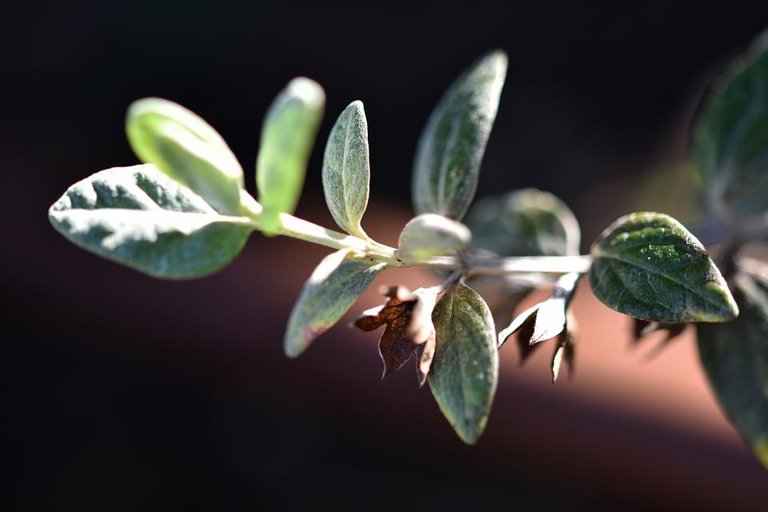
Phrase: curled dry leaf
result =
(409, 329)
(548, 318)
(644, 328)
(565, 349)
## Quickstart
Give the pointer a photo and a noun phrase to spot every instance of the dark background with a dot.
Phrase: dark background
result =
(125, 393)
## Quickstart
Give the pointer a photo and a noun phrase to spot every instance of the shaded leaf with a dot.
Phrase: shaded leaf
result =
(330, 291)
(548, 317)
(731, 137)
(647, 265)
(643, 328)
(465, 367)
(187, 149)
(453, 142)
(409, 329)
(525, 222)
(347, 169)
(429, 235)
(287, 138)
(735, 358)
(141, 218)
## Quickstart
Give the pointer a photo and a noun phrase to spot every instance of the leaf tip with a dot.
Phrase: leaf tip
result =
(295, 345)
(306, 90)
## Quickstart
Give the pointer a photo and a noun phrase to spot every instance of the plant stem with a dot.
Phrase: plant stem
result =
(295, 227)
(483, 265)
(475, 265)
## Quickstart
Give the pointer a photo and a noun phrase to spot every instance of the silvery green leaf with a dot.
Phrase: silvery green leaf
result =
(187, 149)
(141, 218)
(330, 291)
(735, 358)
(429, 235)
(647, 265)
(525, 222)
(452, 145)
(287, 138)
(347, 169)
(731, 137)
(465, 366)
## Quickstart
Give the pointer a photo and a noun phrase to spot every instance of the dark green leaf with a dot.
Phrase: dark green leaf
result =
(466, 364)
(139, 217)
(735, 358)
(453, 142)
(347, 169)
(525, 222)
(731, 137)
(330, 291)
(187, 149)
(647, 265)
(429, 235)
(287, 137)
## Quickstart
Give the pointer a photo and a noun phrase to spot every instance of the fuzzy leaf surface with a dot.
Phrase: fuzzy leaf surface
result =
(465, 366)
(452, 145)
(429, 235)
(735, 358)
(347, 169)
(287, 138)
(187, 149)
(731, 137)
(140, 217)
(337, 282)
(647, 265)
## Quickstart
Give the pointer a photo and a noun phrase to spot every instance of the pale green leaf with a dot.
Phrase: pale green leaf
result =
(452, 145)
(287, 138)
(139, 217)
(347, 169)
(330, 291)
(647, 265)
(731, 137)
(466, 363)
(428, 235)
(187, 149)
(525, 222)
(735, 358)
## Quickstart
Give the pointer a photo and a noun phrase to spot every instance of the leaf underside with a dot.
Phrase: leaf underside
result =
(330, 291)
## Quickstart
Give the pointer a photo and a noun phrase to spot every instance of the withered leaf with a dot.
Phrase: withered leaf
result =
(409, 329)
(549, 316)
(565, 349)
(644, 328)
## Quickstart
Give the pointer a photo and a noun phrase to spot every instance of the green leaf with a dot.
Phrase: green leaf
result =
(429, 236)
(525, 222)
(187, 149)
(347, 169)
(330, 291)
(453, 142)
(647, 265)
(287, 138)
(139, 217)
(731, 137)
(466, 363)
(735, 358)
